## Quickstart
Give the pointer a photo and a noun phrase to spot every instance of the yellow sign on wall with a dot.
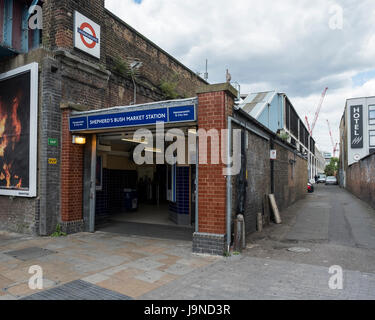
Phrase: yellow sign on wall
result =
(52, 161)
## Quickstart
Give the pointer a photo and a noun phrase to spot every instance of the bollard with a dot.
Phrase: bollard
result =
(239, 234)
(259, 222)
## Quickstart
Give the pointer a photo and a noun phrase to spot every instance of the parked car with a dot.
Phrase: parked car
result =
(331, 181)
(310, 188)
(322, 178)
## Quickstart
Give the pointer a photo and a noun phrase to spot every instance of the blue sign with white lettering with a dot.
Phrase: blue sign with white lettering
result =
(78, 123)
(133, 118)
(179, 114)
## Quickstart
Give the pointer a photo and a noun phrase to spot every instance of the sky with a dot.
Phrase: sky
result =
(297, 47)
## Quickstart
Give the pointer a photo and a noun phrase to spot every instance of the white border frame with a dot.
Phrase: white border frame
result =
(33, 68)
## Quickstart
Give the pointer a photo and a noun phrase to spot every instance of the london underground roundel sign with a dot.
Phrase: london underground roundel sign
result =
(86, 35)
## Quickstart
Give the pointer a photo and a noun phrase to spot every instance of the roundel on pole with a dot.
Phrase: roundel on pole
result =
(87, 35)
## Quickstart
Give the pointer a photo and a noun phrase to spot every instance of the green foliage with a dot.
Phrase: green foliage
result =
(168, 87)
(123, 67)
(58, 233)
(169, 90)
(284, 136)
(332, 168)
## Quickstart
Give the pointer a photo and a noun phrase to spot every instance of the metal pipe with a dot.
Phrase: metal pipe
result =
(134, 91)
(93, 184)
(229, 185)
(197, 188)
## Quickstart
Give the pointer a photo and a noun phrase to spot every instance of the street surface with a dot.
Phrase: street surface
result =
(338, 228)
(331, 227)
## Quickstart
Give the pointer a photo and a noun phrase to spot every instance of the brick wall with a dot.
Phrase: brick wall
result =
(71, 175)
(360, 179)
(49, 127)
(58, 22)
(215, 105)
(71, 78)
(122, 41)
(119, 40)
(259, 180)
(214, 108)
(19, 215)
(289, 175)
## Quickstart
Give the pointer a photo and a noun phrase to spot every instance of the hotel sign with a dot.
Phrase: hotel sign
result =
(356, 116)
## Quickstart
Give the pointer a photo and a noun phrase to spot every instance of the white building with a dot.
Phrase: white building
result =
(275, 111)
(357, 132)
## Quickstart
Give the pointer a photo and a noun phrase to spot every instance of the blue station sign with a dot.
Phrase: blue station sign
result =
(133, 118)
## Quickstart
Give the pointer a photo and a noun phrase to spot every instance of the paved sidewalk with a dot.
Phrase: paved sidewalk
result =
(132, 266)
(248, 278)
(337, 228)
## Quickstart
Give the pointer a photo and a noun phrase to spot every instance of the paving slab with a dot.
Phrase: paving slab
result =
(131, 265)
(29, 253)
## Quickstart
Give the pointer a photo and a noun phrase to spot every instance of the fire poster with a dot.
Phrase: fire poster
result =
(18, 131)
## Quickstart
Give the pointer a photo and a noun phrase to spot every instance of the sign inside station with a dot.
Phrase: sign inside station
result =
(133, 118)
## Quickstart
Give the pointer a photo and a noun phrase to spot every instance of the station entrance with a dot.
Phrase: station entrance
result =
(148, 199)
(155, 198)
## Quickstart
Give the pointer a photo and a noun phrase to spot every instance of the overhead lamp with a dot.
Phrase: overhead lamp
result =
(153, 150)
(135, 141)
(79, 140)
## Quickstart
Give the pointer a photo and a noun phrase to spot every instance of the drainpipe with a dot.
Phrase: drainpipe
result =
(272, 170)
(134, 91)
(229, 186)
(196, 189)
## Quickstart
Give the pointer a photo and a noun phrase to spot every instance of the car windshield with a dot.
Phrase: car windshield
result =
(331, 178)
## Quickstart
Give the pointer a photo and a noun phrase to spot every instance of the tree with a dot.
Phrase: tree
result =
(332, 168)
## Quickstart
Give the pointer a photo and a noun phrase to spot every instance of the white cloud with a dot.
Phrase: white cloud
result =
(284, 45)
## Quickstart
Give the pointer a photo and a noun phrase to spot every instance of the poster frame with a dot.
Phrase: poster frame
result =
(33, 68)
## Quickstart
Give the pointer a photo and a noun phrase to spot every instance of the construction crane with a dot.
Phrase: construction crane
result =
(311, 129)
(308, 125)
(334, 145)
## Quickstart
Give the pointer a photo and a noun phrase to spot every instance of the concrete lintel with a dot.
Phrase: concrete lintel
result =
(72, 106)
(76, 62)
(227, 87)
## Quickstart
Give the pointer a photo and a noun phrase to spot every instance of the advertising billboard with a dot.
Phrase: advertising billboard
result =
(18, 131)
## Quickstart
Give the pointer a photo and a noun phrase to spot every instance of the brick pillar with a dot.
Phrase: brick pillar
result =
(72, 163)
(215, 104)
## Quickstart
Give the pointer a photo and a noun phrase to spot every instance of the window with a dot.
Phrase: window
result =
(371, 115)
(372, 138)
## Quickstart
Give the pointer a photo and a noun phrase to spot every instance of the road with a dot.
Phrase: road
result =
(337, 229)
